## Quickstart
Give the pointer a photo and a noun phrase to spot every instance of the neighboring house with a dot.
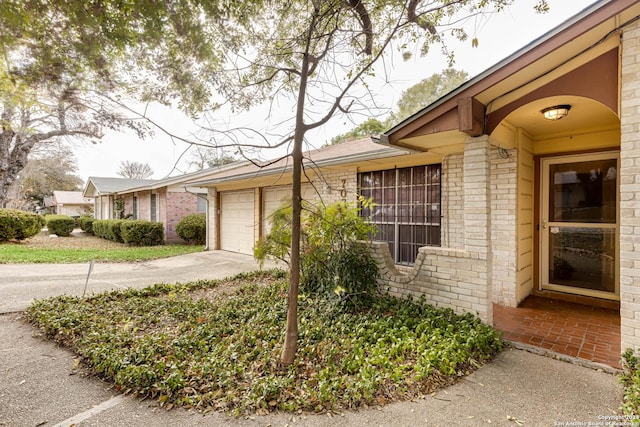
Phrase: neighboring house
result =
(71, 203)
(167, 200)
(492, 199)
(105, 192)
(48, 207)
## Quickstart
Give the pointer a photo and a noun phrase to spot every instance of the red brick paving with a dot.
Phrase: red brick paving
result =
(578, 330)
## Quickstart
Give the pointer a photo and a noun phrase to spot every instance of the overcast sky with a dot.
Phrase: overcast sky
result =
(499, 37)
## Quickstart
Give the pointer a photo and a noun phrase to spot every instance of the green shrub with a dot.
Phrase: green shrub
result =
(335, 264)
(85, 223)
(19, 225)
(630, 380)
(61, 225)
(193, 229)
(142, 233)
(108, 229)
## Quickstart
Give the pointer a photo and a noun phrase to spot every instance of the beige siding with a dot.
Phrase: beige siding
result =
(526, 174)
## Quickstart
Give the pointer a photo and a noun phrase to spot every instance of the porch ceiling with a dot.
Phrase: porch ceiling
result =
(567, 51)
(586, 116)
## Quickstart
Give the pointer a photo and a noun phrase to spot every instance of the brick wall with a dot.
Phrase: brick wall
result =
(337, 185)
(452, 226)
(178, 205)
(630, 189)
(504, 224)
(458, 278)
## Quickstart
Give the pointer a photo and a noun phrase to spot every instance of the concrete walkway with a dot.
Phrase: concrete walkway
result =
(39, 385)
(20, 284)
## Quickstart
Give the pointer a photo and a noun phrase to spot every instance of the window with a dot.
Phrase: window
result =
(135, 207)
(406, 208)
(202, 203)
(154, 207)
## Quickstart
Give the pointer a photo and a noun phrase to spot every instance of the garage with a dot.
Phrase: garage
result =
(237, 221)
(273, 197)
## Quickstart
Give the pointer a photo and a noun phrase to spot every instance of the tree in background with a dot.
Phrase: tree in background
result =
(203, 157)
(134, 170)
(48, 170)
(372, 126)
(411, 101)
(65, 68)
(426, 92)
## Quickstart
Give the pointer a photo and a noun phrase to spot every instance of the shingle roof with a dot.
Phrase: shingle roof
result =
(346, 152)
(113, 185)
(70, 198)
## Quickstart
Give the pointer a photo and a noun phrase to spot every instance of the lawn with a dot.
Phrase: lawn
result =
(214, 345)
(82, 248)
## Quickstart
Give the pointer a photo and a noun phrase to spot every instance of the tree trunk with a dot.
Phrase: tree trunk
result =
(291, 338)
(290, 346)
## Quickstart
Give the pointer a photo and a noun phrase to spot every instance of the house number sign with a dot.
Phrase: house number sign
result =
(343, 190)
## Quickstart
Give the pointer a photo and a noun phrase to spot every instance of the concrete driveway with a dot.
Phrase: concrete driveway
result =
(40, 386)
(20, 284)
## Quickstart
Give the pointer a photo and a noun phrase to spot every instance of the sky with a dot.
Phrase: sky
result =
(499, 36)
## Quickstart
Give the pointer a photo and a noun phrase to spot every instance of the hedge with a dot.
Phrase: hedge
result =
(193, 229)
(61, 225)
(142, 233)
(108, 229)
(19, 225)
(86, 224)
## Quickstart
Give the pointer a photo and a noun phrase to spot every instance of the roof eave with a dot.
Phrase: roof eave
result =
(449, 101)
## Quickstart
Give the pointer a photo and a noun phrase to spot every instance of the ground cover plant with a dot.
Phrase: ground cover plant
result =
(630, 380)
(215, 345)
(44, 249)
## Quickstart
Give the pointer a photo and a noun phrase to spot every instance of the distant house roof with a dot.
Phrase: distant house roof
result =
(97, 186)
(70, 198)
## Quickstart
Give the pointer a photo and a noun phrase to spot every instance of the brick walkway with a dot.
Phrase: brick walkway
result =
(578, 330)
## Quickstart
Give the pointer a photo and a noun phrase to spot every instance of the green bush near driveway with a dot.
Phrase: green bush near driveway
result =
(60, 225)
(108, 229)
(86, 224)
(142, 233)
(19, 225)
(193, 229)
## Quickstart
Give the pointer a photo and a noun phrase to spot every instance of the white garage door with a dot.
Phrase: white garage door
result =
(273, 198)
(236, 221)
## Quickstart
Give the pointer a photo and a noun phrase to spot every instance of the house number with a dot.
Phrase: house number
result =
(343, 190)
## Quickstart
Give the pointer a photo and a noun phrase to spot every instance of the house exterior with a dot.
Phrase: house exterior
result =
(70, 203)
(105, 191)
(166, 200)
(489, 194)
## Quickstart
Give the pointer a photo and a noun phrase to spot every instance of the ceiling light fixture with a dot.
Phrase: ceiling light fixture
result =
(556, 112)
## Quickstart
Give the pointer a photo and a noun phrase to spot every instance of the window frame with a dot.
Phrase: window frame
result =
(407, 208)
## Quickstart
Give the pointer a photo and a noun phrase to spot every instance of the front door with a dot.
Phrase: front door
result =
(579, 224)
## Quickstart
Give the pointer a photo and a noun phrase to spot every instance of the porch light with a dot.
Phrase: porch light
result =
(556, 112)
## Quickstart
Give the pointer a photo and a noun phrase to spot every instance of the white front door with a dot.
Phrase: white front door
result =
(579, 224)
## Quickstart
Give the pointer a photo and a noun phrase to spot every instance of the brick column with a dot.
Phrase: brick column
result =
(630, 189)
(477, 222)
(212, 220)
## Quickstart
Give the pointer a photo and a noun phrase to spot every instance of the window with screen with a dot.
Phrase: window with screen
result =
(406, 208)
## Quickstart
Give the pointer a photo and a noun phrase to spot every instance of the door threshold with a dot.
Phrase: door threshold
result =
(578, 299)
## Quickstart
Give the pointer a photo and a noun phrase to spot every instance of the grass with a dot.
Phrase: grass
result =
(214, 345)
(43, 249)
